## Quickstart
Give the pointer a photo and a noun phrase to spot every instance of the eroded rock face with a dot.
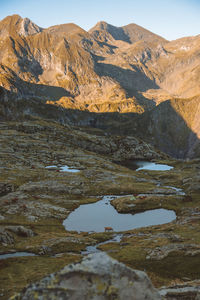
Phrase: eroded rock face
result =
(97, 277)
(27, 27)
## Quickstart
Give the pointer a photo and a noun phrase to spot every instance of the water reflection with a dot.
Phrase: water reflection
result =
(96, 216)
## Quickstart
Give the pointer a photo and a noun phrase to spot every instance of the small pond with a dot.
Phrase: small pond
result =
(63, 169)
(96, 216)
(144, 165)
(15, 254)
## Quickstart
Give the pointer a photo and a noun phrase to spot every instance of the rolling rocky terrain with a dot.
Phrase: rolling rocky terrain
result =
(34, 201)
(97, 102)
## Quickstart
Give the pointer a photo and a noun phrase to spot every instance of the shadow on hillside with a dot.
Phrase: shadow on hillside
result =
(40, 90)
(54, 93)
(162, 126)
(131, 80)
(50, 92)
(134, 81)
(109, 46)
(26, 61)
(119, 34)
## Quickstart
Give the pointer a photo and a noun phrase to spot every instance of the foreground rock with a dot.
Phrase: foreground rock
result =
(97, 277)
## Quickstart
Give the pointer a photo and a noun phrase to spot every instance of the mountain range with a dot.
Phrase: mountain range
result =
(121, 79)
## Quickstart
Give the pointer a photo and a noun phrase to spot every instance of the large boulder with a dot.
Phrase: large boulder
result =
(96, 277)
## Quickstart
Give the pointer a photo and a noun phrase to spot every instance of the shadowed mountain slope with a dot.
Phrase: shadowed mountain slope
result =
(165, 127)
(174, 127)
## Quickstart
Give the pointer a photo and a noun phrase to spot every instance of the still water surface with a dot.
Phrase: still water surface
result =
(145, 165)
(16, 254)
(64, 168)
(96, 216)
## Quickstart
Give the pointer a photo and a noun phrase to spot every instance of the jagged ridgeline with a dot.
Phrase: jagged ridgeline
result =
(133, 78)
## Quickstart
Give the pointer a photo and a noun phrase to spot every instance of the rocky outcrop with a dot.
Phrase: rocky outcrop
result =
(6, 188)
(28, 27)
(120, 148)
(20, 231)
(162, 252)
(183, 291)
(7, 237)
(97, 277)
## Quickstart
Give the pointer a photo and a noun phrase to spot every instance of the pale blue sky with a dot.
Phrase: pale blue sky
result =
(169, 18)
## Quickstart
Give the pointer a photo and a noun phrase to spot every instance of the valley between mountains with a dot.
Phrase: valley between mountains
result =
(78, 110)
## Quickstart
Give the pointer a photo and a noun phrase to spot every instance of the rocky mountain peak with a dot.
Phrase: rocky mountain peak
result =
(13, 19)
(103, 28)
(8, 25)
(65, 28)
(15, 24)
(100, 25)
(27, 27)
(136, 33)
(130, 33)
